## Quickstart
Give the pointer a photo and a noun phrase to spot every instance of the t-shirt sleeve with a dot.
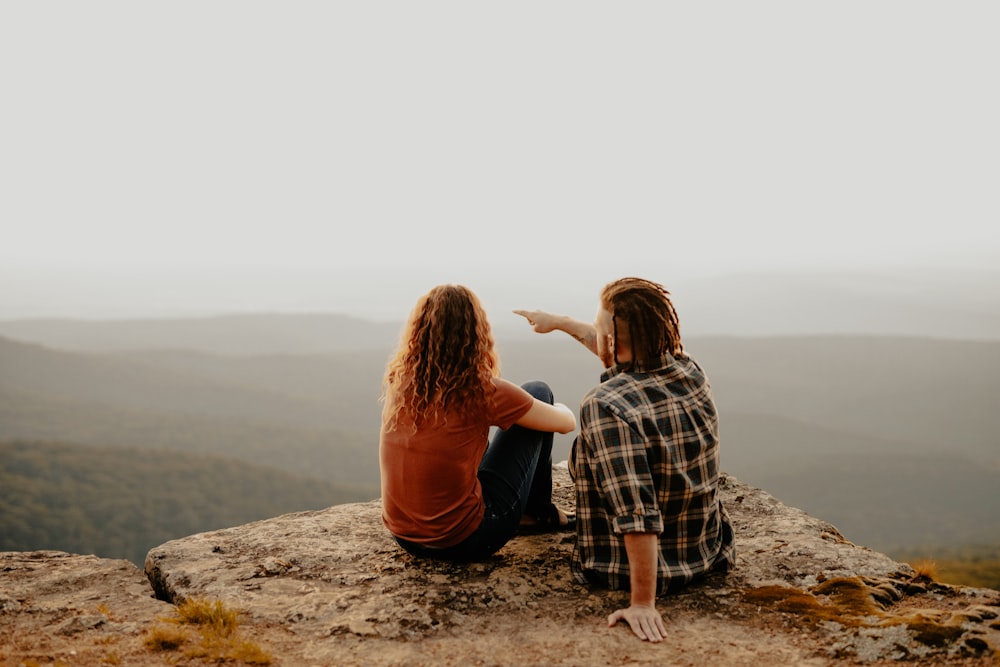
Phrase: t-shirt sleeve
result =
(510, 403)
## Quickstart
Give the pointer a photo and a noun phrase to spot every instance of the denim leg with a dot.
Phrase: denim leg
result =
(540, 495)
(516, 471)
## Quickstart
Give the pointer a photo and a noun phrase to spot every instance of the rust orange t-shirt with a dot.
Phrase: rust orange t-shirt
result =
(430, 491)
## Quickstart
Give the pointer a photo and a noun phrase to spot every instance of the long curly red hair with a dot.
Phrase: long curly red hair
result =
(445, 362)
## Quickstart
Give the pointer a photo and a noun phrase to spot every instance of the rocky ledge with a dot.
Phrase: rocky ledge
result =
(330, 587)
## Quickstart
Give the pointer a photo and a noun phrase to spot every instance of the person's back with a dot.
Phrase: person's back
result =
(449, 491)
(647, 460)
(430, 491)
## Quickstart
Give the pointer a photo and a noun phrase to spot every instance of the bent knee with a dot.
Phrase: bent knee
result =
(539, 390)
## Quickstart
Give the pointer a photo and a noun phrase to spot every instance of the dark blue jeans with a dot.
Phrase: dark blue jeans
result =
(516, 476)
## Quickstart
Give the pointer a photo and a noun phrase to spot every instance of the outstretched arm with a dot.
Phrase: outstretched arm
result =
(544, 322)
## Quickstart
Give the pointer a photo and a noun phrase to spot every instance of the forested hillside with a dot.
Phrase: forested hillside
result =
(323, 453)
(929, 392)
(891, 439)
(906, 394)
(119, 502)
(310, 415)
(128, 382)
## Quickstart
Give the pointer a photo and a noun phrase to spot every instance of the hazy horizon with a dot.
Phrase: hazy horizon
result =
(189, 160)
(943, 304)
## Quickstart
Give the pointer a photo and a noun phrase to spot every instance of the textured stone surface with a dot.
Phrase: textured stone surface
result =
(58, 608)
(331, 587)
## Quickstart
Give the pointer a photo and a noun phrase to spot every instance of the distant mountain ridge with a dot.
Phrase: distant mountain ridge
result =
(131, 382)
(825, 422)
(892, 301)
(330, 455)
(243, 334)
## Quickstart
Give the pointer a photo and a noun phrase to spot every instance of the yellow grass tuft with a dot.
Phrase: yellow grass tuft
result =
(844, 600)
(206, 629)
(852, 602)
(219, 649)
(851, 595)
(930, 627)
(802, 603)
(924, 570)
(166, 639)
(206, 614)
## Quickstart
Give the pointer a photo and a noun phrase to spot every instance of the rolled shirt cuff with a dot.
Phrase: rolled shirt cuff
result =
(638, 523)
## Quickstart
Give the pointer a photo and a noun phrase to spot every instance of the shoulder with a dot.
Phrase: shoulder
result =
(506, 387)
(508, 403)
(686, 365)
(690, 364)
(506, 392)
(611, 396)
(686, 377)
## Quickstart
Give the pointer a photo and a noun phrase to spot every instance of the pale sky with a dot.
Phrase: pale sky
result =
(201, 141)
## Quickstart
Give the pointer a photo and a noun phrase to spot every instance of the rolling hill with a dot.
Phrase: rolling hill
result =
(120, 502)
(128, 382)
(836, 425)
(243, 334)
(322, 453)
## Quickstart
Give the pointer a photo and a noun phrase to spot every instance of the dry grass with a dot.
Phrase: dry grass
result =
(162, 639)
(925, 570)
(853, 602)
(850, 595)
(209, 614)
(847, 601)
(929, 629)
(208, 630)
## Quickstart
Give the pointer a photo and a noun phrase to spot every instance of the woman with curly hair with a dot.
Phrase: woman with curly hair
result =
(448, 491)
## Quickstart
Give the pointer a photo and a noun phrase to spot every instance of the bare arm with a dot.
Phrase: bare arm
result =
(544, 322)
(542, 416)
(642, 615)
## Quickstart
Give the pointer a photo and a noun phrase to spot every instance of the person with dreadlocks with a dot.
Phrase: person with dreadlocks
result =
(448, 491)
(646, 460)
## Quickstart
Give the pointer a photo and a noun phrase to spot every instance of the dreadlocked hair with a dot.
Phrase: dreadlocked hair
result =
(647, 312)
(446, 360)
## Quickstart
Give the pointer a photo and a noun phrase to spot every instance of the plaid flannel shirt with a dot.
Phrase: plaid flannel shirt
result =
(646, 460)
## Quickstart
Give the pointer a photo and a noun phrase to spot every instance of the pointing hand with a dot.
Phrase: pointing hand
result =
(541, 321)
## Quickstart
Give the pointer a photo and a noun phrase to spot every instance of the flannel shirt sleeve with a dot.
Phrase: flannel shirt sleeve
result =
(621, 467)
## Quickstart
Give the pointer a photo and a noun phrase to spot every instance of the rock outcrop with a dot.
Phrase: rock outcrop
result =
(330, 587)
